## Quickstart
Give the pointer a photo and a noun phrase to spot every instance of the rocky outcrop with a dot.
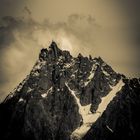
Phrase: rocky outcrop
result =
(59, 98)
(121, 118)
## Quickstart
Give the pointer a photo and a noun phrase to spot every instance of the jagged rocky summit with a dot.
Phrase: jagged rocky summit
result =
(67, 98)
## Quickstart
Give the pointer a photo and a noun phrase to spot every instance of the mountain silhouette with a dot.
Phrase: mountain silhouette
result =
(71, 98)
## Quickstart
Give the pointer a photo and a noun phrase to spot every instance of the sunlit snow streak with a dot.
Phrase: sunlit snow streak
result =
(21, 100)
(109, 128)
(106, 100)
(44, 95)
(83, 110)
(88, 117)
(92, 73)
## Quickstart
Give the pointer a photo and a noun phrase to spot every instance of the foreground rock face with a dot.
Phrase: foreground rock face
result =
(121, 118)
(67, 98)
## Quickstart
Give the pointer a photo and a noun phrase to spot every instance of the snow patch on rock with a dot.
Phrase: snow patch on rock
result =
(29, 90)
(21, 100)
(92, 72)
(44, 95)
(107, 99)
(88, 117)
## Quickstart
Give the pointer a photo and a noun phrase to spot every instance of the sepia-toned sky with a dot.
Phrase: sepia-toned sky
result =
(106, 28)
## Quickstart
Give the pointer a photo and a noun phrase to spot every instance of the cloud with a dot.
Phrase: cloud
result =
(26, 9)
(11, 7)
(22, 39)
(101, 28)
(6, 36)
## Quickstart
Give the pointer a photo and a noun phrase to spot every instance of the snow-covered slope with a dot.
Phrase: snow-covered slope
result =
(88, 117)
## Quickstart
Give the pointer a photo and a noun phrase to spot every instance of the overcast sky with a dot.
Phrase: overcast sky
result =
(106, 28)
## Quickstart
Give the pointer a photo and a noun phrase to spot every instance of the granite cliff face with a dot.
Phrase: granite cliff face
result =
(67, 98)
(120, 121)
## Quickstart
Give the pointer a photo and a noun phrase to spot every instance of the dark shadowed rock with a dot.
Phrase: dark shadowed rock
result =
(62, 95)
(121, 118)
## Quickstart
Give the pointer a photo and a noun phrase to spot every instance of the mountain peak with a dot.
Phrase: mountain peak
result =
(52, 53)
(53, 45)
(53, 48)
(64, 98)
